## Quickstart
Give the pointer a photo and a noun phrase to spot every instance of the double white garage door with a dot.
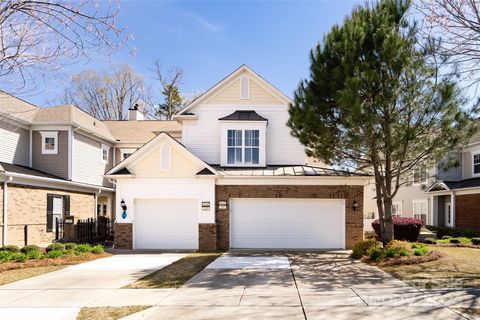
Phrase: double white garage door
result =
(254, 223)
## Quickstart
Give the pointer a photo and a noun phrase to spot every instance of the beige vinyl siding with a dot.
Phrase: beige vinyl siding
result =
(56, 164)
(202, 137)
(14, 144)
(231, 94)
(87, 163)
(467, 165)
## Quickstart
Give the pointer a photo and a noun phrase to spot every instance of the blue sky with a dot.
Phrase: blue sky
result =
(208, 40)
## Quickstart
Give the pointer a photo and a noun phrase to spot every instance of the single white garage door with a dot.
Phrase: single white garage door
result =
(166, 224)
(287, 223)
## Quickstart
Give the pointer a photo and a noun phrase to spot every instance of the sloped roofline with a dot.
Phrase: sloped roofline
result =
(152, 143)
(242, 68)
(438, 184)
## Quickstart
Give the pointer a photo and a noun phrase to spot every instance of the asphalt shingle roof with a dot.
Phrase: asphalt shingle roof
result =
(244, 115)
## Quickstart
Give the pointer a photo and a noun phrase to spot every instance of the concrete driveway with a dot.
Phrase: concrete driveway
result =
(297, 286)
(60, 294)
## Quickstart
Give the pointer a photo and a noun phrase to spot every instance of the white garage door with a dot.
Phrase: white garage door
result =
(166, 224)
(287, 223)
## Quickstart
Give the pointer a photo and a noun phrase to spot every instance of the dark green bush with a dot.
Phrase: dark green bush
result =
(404, 253)
(33, 255)
(375, 253)
(30, 248)
(83, 248)
(430, 241)
(361, 248)
(70, 246)
(454, 232)
(11, 248)
(455, 240)
(97, 249)
(56, 247)
(476, 241)
(390, 252)
(5, 256)
(54, 254)
(19, 257)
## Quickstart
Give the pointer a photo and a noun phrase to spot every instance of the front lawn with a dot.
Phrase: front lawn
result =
(460, 267)
(176, 274)
(108, 313)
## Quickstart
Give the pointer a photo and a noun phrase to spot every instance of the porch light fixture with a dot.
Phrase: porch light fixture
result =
(222, 204)
(205, 205)
(354, 205)
(123, 205)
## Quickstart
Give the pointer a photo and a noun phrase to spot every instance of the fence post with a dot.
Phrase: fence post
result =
(25, 234)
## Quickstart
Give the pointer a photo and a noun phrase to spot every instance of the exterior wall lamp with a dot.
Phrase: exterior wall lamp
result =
(124, 208)
(354, 205)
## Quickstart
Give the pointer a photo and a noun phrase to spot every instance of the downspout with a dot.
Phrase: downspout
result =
(5, 211)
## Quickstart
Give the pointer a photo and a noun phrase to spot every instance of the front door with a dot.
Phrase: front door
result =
(448, 214)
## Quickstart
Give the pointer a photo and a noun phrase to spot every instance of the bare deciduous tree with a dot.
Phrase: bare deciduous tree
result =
(44, 35)
(104, 95)
(173, 99)
(457, 24)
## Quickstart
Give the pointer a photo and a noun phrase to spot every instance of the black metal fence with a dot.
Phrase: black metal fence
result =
(85, 231)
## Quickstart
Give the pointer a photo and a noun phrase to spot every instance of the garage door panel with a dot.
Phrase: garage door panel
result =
(166, 224)
(287, 223)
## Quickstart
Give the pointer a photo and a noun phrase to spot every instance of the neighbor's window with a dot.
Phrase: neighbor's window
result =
(420, 210)
(396, 209)
(476, 163)
(243, 147)
(49, 142)
(104, 154)
(420, 175)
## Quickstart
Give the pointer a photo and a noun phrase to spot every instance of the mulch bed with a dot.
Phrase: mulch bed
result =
(66, 260)
(431, 256)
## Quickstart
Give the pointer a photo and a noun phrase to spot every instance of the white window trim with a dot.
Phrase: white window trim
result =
(49, 134)
(104, 148)
(248, 88)
(400, 207)
(165, 145)
(474, 152)
(417, 201)
(240, 125)
(123, 151)
(421, 183)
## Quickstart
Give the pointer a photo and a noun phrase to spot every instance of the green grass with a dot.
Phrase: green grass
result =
(176, 274)
(108, 313)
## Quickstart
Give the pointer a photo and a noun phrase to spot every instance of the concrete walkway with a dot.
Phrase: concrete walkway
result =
(60, 294)
(300, 286)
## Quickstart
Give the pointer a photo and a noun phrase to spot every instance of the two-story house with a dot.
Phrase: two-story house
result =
(236, 179)
(53, 161)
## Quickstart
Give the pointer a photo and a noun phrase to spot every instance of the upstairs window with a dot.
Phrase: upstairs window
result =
(125, 153)
(104, 153)
(243, 147)
(420, 175)
(476, 163)
(49, 142)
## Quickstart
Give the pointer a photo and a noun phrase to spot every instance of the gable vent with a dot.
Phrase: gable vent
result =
(245, 88)
(165, 158)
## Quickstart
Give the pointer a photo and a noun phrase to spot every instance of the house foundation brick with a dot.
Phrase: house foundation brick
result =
(207, 236)
(123, 236)
(353, 218)
(467, 211)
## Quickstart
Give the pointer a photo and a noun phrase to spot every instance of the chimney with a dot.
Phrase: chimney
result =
(135, 112)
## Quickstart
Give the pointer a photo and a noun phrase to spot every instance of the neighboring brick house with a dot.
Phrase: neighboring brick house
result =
(236, 179)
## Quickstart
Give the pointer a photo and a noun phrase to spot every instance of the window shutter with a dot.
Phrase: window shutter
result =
(49, 212)
(66, 205)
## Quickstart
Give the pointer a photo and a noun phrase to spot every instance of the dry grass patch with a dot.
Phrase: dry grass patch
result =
(459, 267)
(14, 271)
(471, 311)
(108, 313)
(176, 274)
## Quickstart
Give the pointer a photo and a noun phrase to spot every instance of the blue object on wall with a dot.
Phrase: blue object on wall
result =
(124, 215)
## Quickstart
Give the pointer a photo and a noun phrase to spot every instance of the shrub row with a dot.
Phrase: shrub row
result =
(53, 251)
(403, 228)
(396, 248)
(454, 232)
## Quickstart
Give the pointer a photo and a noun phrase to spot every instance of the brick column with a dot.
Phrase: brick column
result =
(207, 236)
(123, 236)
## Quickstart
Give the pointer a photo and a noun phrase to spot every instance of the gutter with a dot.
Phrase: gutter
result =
(5, 211)
(72, 183)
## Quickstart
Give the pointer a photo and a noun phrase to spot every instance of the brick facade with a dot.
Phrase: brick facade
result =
(207, 236)
(467, 211)
(123, 235)
(353, 219)
(27, 205)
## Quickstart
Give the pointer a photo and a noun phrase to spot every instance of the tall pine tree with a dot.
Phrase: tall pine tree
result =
(374, 102)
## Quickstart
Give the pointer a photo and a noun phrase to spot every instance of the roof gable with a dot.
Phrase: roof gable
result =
(227, 92)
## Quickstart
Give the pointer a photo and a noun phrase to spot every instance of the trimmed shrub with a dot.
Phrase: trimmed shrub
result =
(33, 255)
(53, 254)
(430, 241)
(455, 240)
(11, 248)
(83, 248)
(446, 237)
(404, 253)
(398, 245)
(375, 253)
(56, 247)
(97, 249)
(476, 241)
(5, 256)
(19, 257)
(30, 248)
(420, 249)
(361, 248)
(390, 253)
(403, 228)
(70, 246)
(454, 232)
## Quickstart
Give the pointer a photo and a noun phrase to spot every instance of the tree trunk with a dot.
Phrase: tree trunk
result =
(387, 235)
